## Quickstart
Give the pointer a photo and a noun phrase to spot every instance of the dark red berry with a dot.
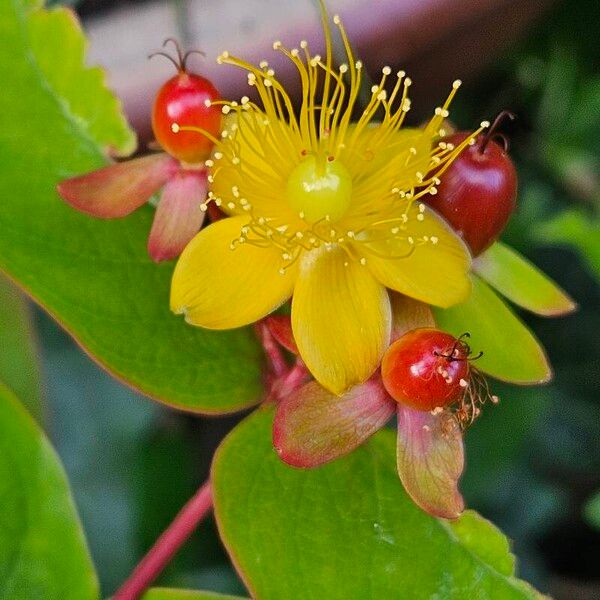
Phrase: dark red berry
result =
(186, 100)
(478, 192)
(426, 368)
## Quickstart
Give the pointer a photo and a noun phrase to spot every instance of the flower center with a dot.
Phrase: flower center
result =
(319, 189)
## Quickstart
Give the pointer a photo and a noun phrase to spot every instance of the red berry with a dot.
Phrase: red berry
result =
(426, 368)
(182, 100)
(186, 101)
(478, 192)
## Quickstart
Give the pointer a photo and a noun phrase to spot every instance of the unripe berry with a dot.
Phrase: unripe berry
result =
(186, 100)
(426, 368)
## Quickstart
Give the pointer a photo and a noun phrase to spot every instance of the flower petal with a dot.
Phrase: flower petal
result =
(248, 159)
(510, 351)
(430, 460)
(178, 216)
(522, 282)
(313, 426)
(408, 314)
(280, 327)
(120, 188)
(341, 319)
(220, 288)
(433, 268)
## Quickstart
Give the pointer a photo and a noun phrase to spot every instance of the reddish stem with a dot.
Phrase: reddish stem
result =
(152, 565)
(272, 350)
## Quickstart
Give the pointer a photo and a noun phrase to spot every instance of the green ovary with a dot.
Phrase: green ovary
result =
(319, 189)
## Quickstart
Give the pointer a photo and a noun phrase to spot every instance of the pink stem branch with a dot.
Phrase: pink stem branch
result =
(152, 565)
(294, 378)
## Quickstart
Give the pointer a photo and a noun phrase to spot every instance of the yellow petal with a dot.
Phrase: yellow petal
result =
(250, 165)
(220, 288)
(341, 318)
(429, 263)
(394, 163)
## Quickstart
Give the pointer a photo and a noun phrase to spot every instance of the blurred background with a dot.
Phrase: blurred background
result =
(533, 461)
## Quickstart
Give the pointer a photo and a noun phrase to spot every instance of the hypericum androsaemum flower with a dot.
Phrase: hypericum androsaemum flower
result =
(326, 209)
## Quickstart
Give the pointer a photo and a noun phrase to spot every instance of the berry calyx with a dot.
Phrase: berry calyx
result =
(478, 192)
(426, 369)
(186, 99)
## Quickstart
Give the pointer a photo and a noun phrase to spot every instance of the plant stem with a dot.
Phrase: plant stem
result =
(272, 350)
(157, 558)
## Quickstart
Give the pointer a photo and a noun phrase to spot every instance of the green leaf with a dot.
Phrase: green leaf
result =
(19, 365)
(43, 553)
(484, 540)
(58, 47)
(171, 594)
(510, 351)
(521, 282)
(346, 530)
(576, 229)
(94, 276)
(591, 510)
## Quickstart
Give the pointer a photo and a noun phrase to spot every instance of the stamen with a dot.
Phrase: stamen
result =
(267, 140)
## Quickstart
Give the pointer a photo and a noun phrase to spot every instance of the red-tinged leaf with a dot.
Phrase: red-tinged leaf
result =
(313, 426)
(118, 189)
(280, 327)
(179, 216)
(430, 456)
(408, 314)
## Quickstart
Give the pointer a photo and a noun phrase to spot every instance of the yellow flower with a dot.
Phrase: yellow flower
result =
(325, 209)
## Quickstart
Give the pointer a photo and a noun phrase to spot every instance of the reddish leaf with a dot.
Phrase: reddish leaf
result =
(178, 216)
(313, 426)
(280, 327)
(120, 188)
(430, 458)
